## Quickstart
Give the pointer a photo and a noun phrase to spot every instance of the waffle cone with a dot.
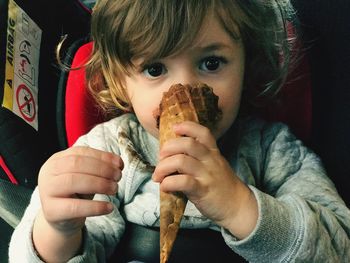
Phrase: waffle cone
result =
(181, 103)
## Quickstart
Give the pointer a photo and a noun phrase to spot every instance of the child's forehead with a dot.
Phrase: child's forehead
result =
(139, 34)
(213, 28)
(211, 34)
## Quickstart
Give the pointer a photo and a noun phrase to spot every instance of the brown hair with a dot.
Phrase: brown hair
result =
(126, 29)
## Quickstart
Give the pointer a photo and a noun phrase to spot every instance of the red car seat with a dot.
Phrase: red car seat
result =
(76, 111)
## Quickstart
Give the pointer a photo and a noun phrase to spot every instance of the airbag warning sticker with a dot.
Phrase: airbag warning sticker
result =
(22, 65)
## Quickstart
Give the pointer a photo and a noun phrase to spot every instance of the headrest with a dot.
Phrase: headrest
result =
(79, 112)
(293, 104)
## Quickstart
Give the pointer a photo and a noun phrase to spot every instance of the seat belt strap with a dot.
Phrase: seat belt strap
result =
(7, 171)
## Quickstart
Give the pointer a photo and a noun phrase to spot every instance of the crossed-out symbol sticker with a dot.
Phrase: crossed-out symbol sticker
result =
(26, 103)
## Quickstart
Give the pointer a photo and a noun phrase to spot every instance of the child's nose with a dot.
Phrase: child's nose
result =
(187, 76)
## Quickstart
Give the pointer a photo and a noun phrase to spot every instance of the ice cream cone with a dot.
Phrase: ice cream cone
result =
(181, 103)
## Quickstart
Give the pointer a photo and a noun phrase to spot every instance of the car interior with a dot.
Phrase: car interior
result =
(51, 107)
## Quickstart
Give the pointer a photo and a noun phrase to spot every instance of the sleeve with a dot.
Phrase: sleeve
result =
(301, 216)
(100, 235)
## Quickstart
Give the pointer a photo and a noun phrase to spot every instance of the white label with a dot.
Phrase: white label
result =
(22, 65)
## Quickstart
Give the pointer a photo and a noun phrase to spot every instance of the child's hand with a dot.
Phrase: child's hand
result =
(206, 178)
(68, 182)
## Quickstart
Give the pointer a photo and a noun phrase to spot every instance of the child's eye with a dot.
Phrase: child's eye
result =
(212, 63)
(154, 70)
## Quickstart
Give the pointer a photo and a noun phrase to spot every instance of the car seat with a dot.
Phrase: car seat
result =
(24, 148)
(29, 33)
(326, 34)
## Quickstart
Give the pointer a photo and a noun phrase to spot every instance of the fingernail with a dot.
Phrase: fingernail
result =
(117, 175)
(110, 207)
(117, 162)
(114, 187)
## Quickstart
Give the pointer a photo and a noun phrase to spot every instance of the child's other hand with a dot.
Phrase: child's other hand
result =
(68, 181)
(206, 178)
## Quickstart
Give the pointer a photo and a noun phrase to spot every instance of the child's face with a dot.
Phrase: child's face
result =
(214, 58)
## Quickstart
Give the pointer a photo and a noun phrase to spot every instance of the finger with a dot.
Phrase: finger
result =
(77, 183)
(184, 145)
(99, 163)
(179, 183)
(197, 131)
(104, 156)
(71, 208)
(176, 164)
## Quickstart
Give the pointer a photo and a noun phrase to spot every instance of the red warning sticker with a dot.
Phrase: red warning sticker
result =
(26, 103)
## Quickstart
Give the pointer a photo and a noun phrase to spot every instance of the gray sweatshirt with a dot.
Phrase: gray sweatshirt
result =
(301, 216)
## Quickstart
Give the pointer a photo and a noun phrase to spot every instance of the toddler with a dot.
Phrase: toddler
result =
(252, 181)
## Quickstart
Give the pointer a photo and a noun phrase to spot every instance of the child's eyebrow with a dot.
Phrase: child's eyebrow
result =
(139, 63)
(214, 46)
